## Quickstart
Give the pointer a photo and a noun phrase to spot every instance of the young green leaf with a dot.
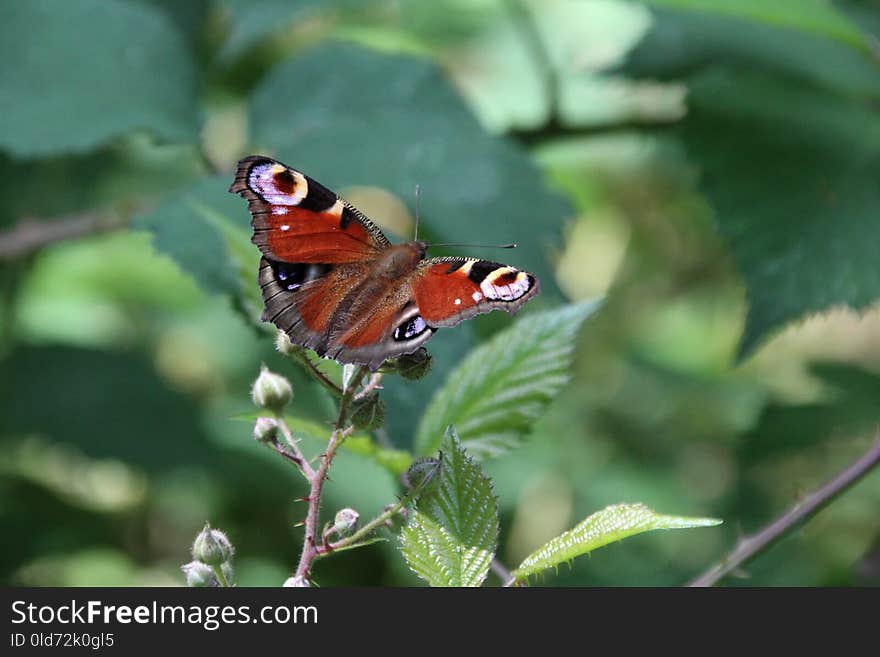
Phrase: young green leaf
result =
(451, 535)
(611, 524)
(503, 386)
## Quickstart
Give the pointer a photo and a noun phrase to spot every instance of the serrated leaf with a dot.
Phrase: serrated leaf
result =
(494, 396)
(803, 237)
(609, 525)
(74, 75)
(451, 535)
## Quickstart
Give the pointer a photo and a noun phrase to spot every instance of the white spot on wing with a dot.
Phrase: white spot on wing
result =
(477, 296)
(284, 227)
(458, 302)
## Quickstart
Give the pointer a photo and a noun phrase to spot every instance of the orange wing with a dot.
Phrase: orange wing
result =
(450, 290)
(296, 219)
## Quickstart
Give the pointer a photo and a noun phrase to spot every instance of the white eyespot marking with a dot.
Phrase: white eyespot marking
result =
(262, 181)
(410, 328)
(284, 227)
(510, 290)
(279, 209)
(477, 296)
(458, 302)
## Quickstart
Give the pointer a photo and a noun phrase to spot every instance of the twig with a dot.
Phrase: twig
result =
(295, 455)
(310, 544)
(750, 546)
(30, 235)
(503, 572)
(372, 385)
(367, 529)
(322, 378)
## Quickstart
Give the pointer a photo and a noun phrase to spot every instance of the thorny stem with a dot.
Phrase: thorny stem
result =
(340, 433)
(294, 455)
(809, 506)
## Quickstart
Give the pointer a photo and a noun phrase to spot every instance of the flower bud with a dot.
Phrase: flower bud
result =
(199, 574)
(271, 391)
(345, 521)
(368, 413)
(296, 582)
(265, 430)
(416, 365)
(212, 547)
(285, 346)
(422, 474)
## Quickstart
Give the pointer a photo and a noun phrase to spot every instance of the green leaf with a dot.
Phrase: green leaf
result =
(74, 75)
(206, 231)
(494, 396)
(451, 534)
(848, 409)
(609, 525)
(791, 172)
(815, 16)
(786, 40)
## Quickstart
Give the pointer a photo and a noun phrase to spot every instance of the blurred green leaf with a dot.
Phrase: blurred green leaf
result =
(850, 408)
(611, 524)
(451, 534)
(99, 69)
(816, 16)
(206, 231)
(108, 405)
(787, 38)
(503, 386)
(255, 20)
(795, 193)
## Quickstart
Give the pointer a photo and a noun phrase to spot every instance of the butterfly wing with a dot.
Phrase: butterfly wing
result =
(296, 219)
(317, 249)
(450, 290)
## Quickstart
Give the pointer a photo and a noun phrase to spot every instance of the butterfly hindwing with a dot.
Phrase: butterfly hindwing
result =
(296, 219)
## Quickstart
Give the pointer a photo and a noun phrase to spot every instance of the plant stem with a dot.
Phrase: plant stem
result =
(322, 378)
(218, 571)
(364, 531)
(340, 432)
(503, 572)
(295, 454)
(749, 546)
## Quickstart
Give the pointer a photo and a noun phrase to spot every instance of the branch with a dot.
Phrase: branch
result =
(30, 235)
(310, 546)
(750, 546)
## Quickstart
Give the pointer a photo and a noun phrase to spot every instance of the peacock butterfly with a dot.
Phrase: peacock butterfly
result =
(334, 283)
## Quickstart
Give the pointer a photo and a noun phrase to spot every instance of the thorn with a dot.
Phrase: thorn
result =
(300, 524)
(303, 499)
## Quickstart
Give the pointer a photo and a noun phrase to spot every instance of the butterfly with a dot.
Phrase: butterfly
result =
(334, 283)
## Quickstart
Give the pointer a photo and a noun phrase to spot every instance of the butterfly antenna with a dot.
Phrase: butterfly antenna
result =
(478, 246)
(418, 195)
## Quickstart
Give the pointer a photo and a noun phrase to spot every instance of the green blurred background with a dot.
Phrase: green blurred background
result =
(711, 168)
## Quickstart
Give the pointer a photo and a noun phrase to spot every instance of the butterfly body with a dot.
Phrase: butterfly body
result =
(334, 283)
